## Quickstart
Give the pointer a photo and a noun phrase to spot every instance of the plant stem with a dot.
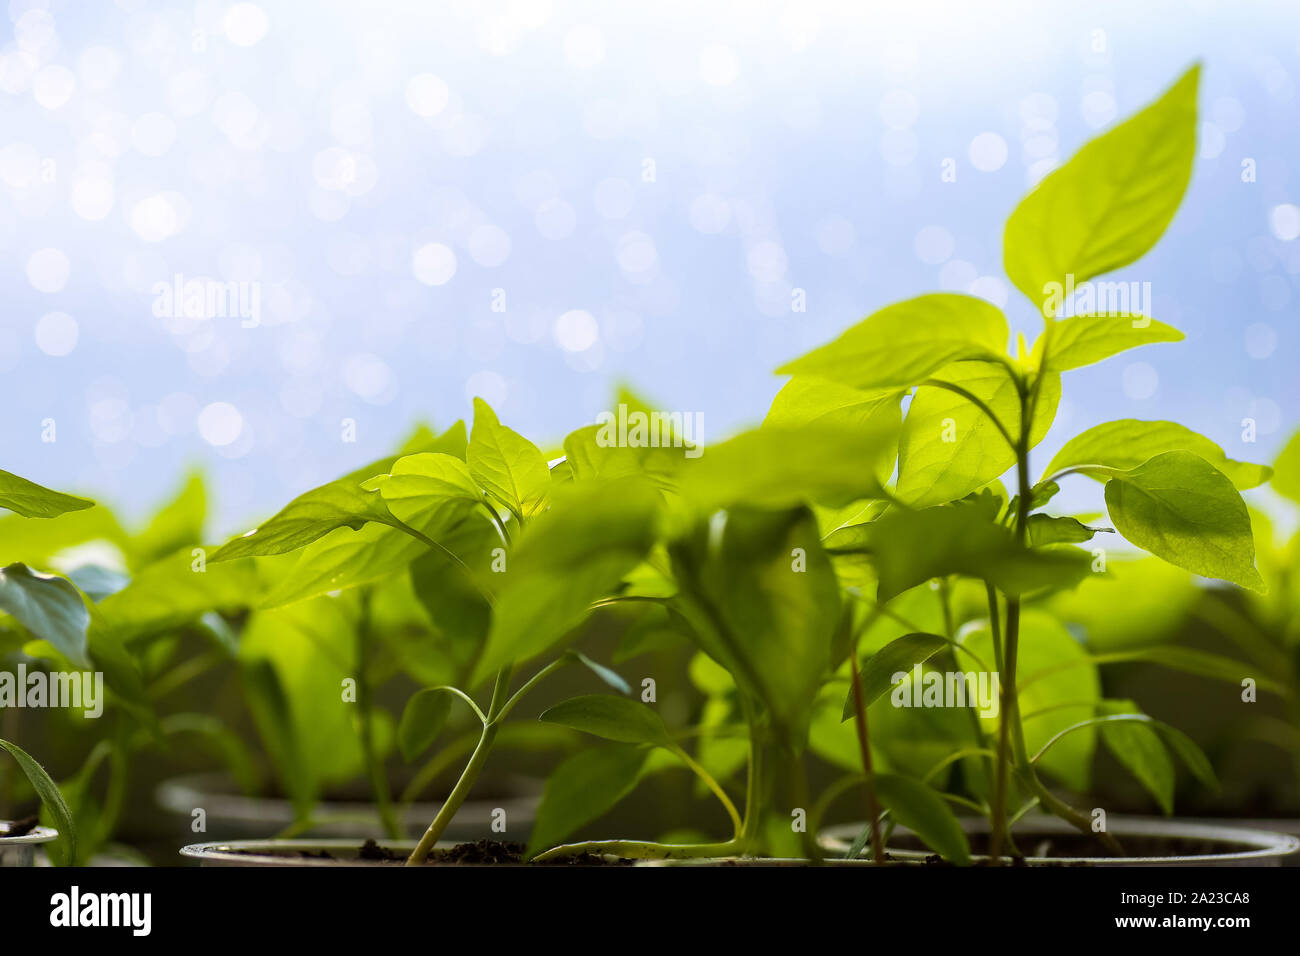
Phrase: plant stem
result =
(737, 824)
(864, 749)
(643, 850)
(1009, 711)
(468, 777)
(500, 707)
(754, 784)
(365, 708)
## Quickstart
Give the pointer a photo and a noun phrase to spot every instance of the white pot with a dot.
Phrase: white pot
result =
(1232, 845)
(21, 850)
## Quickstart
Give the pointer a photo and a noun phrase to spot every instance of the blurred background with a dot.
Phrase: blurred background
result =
(533, 201)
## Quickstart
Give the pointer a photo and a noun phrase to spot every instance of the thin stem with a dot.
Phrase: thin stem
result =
(502, 530)
(1003, 758)
(864, 750)
(365, 706)
(440, 762)
(496, 713)
(737, 824)
(755, 781)
(468, 777)
(799, 784)
(977, 402)
(643, 850)
(1009, 712)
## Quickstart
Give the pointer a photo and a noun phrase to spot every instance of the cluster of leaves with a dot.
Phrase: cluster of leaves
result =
(860, 532)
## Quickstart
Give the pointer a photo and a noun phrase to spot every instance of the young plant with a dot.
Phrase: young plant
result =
(506, 559)
(976, 412)
(49, 795)
(44, 607)
(128, 606)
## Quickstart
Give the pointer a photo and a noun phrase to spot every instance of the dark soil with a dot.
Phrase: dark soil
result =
(21, 827)
(480, 853)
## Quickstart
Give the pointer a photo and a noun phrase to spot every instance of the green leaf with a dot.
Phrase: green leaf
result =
(309, 517)
(567, 557)
(1084, 339)
(420, 485)
(911, 547)
(422, 721)
(897, 656)
(1190, 753)
(1175, 739)
(508, 465)
(784, 467)
(312, 648)
(1049, 529)
(1139, 748)
(613, 718)
(582, 788)
(808, 400)
(925, 813)
(1181, 509)
(762, 600)
(49, 607)
(1127, 443)
(950, 447)
(48, 792)
(591, 453)
(346, 558)
(1109, 204)
(34, 501)
(1286, 470)
(342, 503)
(904, 343)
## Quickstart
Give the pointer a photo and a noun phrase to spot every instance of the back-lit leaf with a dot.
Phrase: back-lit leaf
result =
(950, 447)
(781, 467)
(508, 465)
(904, 343)
(1127, 443)
(1181, 509)
(1109, 204)
(569, 556)
(35, 501)
(1084, 339)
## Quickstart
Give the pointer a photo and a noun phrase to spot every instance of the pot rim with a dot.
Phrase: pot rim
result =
(181, 794)
(1257, 845)
(235, 853)
(34, 836)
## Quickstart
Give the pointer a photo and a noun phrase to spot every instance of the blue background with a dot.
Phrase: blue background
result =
(791, 146)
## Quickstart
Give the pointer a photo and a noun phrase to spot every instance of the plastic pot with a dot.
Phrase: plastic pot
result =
(232, 815)
(1217, 844)
(21, 850)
